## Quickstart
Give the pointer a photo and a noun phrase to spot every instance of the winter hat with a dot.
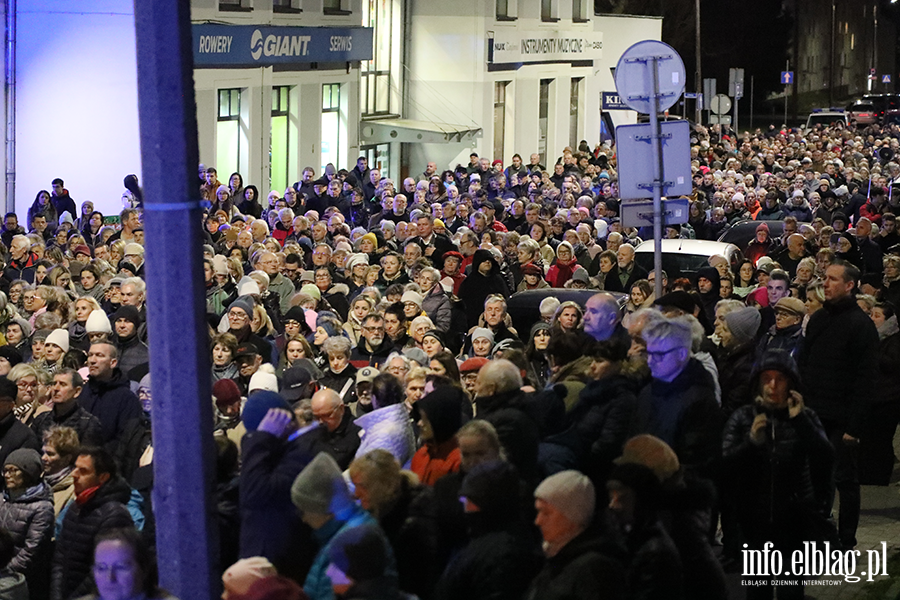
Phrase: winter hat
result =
(41, 335)
(651, 452)
(678, 299)
(320, 487)
(411, 296)
(97, 322)
(581, 275)
(737, 197)
(263, 381)
(532, 269)
(59, 337)
(275, 587)
(245, 304)
(81, 249)
(11, 355)
(472, 365)
(241, 575)
(133, 248)
(743, 323)
(841, 191)
(762, 227)
(258, 404)
(295, 313)
(226, 393)
(311, 290)
(355, 259)
(248, 286)
(129, 313)
(28, 461)
(493, 487)
(360, 553)
(447, 284)
(443, 407)
(418, 355)
(641, 479)
(307, 276)
(66, 218)
(435, 334)
(565, 245)
(220, 265)
(539, 326)
(571, 493)
(791, 305)
(372, 238)
(483, 332)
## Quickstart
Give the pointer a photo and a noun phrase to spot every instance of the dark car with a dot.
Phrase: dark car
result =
(524, 308)
(741, 233)
(882, 103)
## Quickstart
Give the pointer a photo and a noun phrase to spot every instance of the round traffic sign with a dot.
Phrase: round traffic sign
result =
(720, 104)
(634, 76)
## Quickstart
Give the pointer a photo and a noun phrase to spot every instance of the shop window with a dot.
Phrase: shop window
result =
(228, 131)
(574, 104)
(331, 124)
(499, 118)
(543, 117)
(506, 10)
(376, 76)
(279, 140)
(549, 10)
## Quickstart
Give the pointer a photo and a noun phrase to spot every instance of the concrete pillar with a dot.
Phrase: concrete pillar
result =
(184, 453)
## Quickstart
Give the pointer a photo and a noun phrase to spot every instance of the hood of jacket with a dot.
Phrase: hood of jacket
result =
(481, 256)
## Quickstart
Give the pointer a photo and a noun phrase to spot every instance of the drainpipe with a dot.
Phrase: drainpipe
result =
(10, 97)
(184, 451)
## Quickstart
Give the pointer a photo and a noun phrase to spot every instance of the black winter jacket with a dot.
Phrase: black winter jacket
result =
(584, 569)
(270, 523)
(411, 528)
(685, 415)
(86, 425)
(113, 403)
(14, 435)
(71, 577)
(30, 519)
(735, 366)
(839, 364)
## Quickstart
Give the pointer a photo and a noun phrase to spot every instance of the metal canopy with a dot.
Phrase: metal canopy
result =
(407, 130)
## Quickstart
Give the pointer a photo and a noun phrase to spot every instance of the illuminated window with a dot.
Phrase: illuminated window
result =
(499, 118)
(543, 117)
(331, 124)
(228, 131)
(279, 141)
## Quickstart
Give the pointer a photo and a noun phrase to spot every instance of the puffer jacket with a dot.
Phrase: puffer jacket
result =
(71, 575)
(390, 429)
(113, 403)
(29, 518)
(735, 366)
(436, 305)
(790, 470)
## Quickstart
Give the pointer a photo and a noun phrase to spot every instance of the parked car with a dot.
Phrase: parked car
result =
(883, 103)
(827, 117)
(683, 258)
(862, 112)
(741, 233)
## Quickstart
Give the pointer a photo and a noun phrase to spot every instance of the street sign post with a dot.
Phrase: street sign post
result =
(649, 79)
(721, 104)
(787, 77)
(636, 164)
(640, 214)
(885, 79)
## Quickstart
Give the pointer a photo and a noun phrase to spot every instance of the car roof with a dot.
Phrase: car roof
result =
(700, 247)
(524, 308)
(741, 233)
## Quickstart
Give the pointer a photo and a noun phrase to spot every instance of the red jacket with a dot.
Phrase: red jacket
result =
(561, 272)
(432, 463)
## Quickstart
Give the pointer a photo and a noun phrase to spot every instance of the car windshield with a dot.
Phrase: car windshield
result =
(824, 119)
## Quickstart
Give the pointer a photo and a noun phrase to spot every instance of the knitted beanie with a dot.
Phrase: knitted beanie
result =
(28, 461)
(59, 337)
(241, 575)
(258, 404)
(320, 487)
(743, 324)
(360, 553)
(97, 322)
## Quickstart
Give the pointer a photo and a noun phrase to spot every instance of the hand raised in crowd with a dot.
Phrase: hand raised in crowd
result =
(795, 404)
(277, 422)
(758, 429)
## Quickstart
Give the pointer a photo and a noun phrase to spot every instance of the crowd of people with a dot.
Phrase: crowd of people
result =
(383, 430)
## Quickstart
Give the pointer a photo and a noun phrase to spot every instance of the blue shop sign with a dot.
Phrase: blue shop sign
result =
(253, 46)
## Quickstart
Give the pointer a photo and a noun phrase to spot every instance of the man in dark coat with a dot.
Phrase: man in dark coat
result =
(581, 564)
(337, 434)
(273, 452)
(108, 394)
(13, 433)
(500, 401)
(502, 557)
(67, 387)
(626, 272)
(679, 404)
(839, 366)
(100, 498)
(781, 460)
(483, 280)
(374, 346)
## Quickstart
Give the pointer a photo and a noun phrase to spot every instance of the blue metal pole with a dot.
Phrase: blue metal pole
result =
(656, 144)
(184, 453)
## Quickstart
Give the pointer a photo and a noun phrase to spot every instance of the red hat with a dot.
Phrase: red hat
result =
(496, 162)
(81, 249)
(453, 254)
(473, 364)
(226, 393)
(762, 227)
(532, 269)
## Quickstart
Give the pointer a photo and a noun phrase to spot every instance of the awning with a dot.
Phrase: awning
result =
(423, 132)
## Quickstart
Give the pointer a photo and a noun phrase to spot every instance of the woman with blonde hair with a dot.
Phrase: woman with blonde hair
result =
(402, 507)
(33, 383)
(359, 308)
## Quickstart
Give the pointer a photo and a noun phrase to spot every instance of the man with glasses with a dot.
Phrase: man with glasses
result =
(679, 404)
(240, 313)
(293, 268)
(15, 433)
(468, 244)
(398, 366)
(270, 264)
(248, 361)
(338, 435)
(374, 347)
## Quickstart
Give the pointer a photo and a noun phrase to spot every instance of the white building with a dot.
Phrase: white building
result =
(422, 80)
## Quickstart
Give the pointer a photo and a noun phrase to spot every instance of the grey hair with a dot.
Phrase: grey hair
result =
(677, 329)
(337, 345)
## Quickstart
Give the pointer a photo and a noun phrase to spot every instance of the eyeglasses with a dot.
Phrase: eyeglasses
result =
(658, 354)
(236, 314)
(373, 329)
(327, 416)
(26, 384)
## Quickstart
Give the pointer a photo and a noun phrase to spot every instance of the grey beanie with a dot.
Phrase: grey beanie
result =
(246, 304)
(571, 493)
(28, 461)
(743, 324)
(320, 487)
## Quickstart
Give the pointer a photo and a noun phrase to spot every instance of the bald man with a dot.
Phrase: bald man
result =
(338, 435)
(602, 319)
